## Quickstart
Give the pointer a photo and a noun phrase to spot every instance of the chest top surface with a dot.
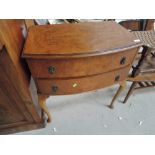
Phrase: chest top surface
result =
(78, 39)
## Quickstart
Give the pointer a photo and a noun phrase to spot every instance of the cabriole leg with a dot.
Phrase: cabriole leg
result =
(121, 88)
(42, 103)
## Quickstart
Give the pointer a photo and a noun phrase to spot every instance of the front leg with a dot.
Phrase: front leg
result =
(121, 88)
(42, 103)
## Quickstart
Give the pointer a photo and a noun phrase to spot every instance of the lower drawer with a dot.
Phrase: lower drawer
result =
(78, 85)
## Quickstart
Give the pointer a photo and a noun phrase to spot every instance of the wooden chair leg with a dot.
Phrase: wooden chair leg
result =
(121, 88)
(130, 91)
(42, 103)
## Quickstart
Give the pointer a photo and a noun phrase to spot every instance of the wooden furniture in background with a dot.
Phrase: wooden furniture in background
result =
(18, 97)
(138, 25)
(143, 73)
(32, 22)
(75, 58)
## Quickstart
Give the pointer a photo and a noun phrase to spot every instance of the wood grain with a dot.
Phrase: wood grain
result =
(17, 101)
(79, 85)
(76, 67)
(11, 34)
(77, 39)
(75, 58)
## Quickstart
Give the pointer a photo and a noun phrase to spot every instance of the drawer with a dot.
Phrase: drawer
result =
(78, 85)
(84, 66)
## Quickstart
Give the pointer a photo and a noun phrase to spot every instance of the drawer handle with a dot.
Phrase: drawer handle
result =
(75, 85)
(51, 69)
(123, 60)
(54, 89)
(117, 78)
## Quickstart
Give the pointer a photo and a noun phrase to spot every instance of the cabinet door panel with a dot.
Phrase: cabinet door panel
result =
(8, 112)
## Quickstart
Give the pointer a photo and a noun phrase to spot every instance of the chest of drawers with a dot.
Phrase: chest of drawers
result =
(75, 58)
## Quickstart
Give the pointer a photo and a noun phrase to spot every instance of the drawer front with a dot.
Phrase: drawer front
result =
(78, 85)
(76, 67)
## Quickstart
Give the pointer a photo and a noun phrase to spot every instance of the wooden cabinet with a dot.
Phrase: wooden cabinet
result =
(11, 109)
(18, 111)
(74, 58)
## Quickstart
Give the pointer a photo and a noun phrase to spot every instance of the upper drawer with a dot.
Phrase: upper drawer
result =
(82, 66)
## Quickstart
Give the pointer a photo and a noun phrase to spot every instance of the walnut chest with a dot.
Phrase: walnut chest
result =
(79, 57)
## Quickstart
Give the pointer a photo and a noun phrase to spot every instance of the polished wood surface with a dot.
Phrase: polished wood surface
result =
(9, 88)
(133, 25)
(79, 85)
(75, 58)
(75, 67)
(17, 97)
(138, 25)
(77, 39)
(12, 34)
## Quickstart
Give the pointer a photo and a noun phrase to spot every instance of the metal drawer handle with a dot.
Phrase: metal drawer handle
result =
(123, 60)
(51, 69)
(75, 85)
(117, 78)
(54, 89)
